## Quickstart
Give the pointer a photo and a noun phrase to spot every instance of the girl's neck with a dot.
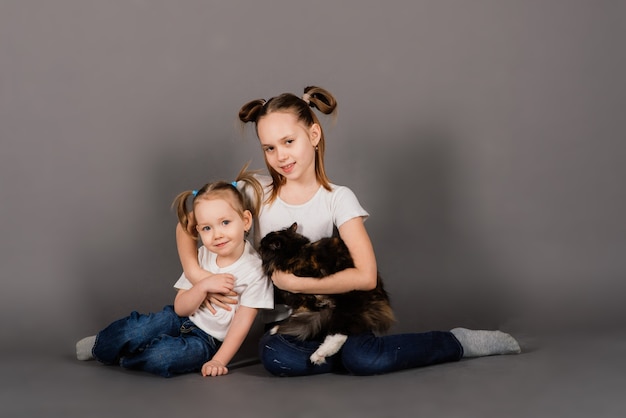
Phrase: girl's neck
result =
(297, 193)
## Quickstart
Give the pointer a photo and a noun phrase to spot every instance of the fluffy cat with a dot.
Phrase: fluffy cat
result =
(335, 316)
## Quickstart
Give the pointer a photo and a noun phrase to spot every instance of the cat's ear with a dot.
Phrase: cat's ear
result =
(293, 227)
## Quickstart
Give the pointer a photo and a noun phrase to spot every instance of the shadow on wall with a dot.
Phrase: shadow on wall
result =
(439, 270)
(134, 269)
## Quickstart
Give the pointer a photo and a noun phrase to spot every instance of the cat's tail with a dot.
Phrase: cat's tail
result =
(380, 316)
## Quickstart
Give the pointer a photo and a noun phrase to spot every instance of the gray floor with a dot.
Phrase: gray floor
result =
(568, 376)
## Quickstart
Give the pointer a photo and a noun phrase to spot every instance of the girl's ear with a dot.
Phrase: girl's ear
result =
(315, 134)
(247, 220)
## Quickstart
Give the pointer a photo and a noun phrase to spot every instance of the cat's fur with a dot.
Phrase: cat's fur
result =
(334, 316)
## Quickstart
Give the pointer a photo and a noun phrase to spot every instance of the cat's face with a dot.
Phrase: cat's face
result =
(278, 246)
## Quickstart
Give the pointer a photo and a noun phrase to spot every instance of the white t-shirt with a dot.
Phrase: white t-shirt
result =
(316, 218)
(253, 287)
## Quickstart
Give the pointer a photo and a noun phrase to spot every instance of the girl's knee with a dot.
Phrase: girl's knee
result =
(362, 356)
(359, 364)
(271, 350)
(282, 357)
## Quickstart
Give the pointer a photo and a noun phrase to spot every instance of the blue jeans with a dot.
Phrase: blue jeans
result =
(364, 354)
(162, 343)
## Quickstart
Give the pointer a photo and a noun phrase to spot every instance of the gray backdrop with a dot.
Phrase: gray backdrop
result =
(485, 138)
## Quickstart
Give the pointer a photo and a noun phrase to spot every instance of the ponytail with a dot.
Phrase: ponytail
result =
(185, 216)
(251, 203)
(250, 112)
(320, 99)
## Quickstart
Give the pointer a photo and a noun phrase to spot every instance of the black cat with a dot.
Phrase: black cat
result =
(335, 316)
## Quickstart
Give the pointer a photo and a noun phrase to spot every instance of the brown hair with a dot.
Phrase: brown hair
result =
(239, 200)
(314, 97)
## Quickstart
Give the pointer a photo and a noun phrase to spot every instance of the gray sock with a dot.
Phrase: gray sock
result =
(485, 343)
(84, 347)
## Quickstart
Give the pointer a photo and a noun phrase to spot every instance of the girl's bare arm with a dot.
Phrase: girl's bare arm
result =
(242, 322)
(188, 254)
(361, 277)
(188, 301)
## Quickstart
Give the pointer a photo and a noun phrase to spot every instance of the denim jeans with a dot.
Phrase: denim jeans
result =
(364, 354)
(162, 343)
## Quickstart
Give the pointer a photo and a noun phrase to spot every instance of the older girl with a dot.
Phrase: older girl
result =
(298, 190)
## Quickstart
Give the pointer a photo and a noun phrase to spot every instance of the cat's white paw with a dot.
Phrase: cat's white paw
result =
(274, 330)
(331, 345)
(317, 359)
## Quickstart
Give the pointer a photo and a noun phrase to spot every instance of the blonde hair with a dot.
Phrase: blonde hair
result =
(314, 97)
(240, 201)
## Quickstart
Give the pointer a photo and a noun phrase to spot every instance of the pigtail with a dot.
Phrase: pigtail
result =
(251, 202)
(321, 99)
(251, 111)
(184, 214)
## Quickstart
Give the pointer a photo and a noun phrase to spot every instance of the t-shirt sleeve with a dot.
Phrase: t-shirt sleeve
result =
(259, 293)
(346, 206)
(183, 283)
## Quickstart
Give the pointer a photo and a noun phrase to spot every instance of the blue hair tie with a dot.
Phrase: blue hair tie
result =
(234, 183)
(194, 192)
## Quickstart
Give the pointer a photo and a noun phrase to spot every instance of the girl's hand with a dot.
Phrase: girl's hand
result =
(220, 300)
(218, 283)
(214, 368)
(286, 281)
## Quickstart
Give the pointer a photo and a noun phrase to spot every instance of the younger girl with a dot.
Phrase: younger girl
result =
(187, 337)
(298, 190)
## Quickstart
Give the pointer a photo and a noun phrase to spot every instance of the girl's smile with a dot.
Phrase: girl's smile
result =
(288, 168)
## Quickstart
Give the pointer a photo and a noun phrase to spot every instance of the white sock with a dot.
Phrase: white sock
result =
(485, 343)
(84, 347)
